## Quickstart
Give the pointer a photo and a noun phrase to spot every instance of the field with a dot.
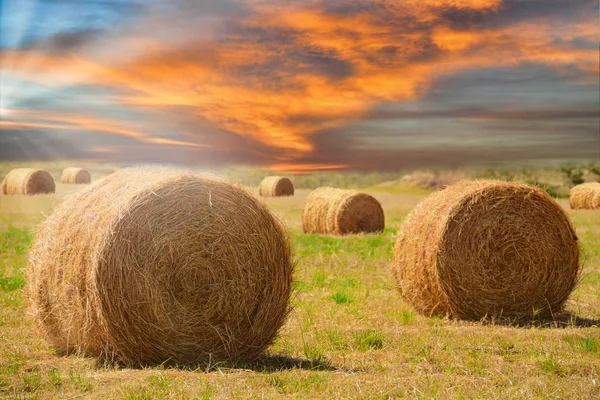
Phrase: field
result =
(349, 336)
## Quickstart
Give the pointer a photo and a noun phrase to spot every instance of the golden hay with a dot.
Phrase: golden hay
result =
(75, 175)
(146, 267)
(28, 181)
(487, 248)
(339, 212)
(274, 186)
(585, 196)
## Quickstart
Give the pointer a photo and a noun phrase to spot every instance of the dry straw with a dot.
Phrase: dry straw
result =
(487, 248)
(146, 267)
(339, 212)
(75, 175)
(274, 186)
(585, 196)
(28, 181)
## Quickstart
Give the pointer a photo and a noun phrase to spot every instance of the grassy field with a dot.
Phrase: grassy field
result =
(349, 336)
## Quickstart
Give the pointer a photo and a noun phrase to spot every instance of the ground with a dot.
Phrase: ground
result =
(349, 336)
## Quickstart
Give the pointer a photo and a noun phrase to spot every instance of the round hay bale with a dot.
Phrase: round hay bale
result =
(76, 175)
(596, 199)
(339, 212)
(28, 181)
(585, 196)
(275, 186)
(146, 267)
(487, 248)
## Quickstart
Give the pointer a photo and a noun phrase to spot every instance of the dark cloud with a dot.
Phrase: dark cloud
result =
(19, 145)
(277, 70)
(65, 42)
(529, 86)
(341, 151)
(350, 7)
(514, 11)
(585, 112)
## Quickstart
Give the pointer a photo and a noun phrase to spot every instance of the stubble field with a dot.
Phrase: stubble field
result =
(349, 335)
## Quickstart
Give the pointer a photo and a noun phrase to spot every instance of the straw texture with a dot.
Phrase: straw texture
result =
(585, 196)
(75, 175)
(275, 186)
(146, 267)
(28, 181)
(487, 248)
(339, 212)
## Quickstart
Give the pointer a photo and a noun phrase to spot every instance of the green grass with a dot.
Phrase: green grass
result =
(363, 246)
(342, 297)
(12, 283)
(55, 378)
(369, 340)
(584, 344)
(348, 336)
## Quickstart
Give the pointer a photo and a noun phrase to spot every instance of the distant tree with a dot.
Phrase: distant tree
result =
(574, 174)
(596, 171)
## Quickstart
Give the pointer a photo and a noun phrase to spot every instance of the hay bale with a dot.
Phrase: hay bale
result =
(596, 199)
(28, 181)
(487, 248)
(76, 175)
(585, 196)
(339, 212)
(146, 267)
(274, 186)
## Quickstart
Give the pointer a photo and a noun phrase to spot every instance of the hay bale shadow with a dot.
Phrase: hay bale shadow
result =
(268, 364)
(557, 321)
(277, 363)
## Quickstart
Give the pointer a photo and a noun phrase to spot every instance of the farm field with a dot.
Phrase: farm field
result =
(349, 335)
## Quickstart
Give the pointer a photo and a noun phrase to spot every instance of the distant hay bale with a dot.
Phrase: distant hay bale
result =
(585, 196)
(145, 267)
(487, 248)
(76, 175)
(339, 212)
(28, 181)
(274, 186)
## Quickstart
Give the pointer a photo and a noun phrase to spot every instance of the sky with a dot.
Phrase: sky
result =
(300, 85)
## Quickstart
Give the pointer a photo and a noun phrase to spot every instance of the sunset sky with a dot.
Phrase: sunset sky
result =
(300, 85)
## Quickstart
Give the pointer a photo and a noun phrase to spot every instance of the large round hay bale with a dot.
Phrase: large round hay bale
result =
(274, 186)
(339, 212)
(28, 181)
(147, 267)
(585, 196)
(76, 175)
(487, 248)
